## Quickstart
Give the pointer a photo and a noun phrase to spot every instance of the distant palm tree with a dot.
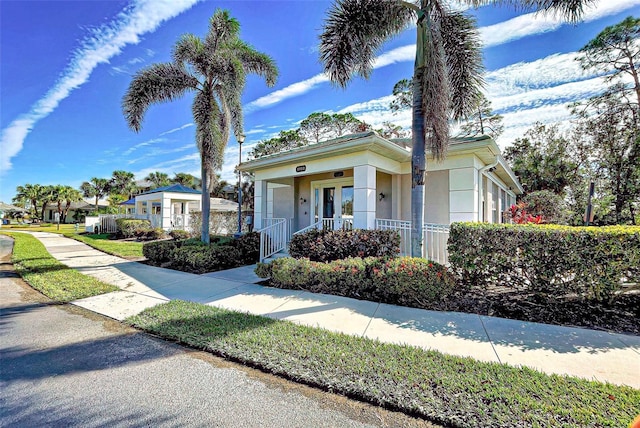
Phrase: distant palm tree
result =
(158, 179)
(185, 179)
(96, 187)
(123, 183)
(69, 195)
(447, 69)
(31, 193)
(215, 69)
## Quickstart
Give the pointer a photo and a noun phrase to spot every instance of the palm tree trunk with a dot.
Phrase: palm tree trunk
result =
(206, 205)
(418, 166)
(418, 158)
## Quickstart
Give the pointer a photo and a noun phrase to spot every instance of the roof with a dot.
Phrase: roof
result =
(9, 207)
(174, 188)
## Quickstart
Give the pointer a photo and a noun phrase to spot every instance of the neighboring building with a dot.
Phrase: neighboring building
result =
(364, 181)
(77, 211)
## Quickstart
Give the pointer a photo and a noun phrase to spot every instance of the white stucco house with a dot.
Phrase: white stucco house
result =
(363, 181)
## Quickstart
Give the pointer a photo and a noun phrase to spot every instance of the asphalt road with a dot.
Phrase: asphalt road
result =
(61, 365)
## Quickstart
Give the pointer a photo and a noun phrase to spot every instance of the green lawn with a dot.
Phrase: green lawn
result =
(130, 250)
(47, 275)
(444, 389)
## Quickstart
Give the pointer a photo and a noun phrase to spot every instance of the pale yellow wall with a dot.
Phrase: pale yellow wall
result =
(383, 185)
(302, 217)
(436, 204)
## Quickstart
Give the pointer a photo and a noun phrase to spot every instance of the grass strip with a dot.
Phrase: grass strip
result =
(445, 389)
(116, 248)
(50, 277)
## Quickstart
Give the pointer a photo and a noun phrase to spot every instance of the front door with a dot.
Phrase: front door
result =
(333, 204)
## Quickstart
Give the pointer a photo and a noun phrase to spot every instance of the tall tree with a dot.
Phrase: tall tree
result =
(185, 179)
(158, 179)
(447, 70)
(69, 195)
(31, 193)
(215, 69)
(96, 188)
(542, 160)
(123, 183)
(482, 121)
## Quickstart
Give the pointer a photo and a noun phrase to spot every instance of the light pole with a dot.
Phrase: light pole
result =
(240, 141)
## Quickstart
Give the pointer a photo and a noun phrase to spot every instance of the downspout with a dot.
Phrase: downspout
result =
(482, 173)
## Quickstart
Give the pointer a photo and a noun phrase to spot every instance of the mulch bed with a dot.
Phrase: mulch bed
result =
(621, 316)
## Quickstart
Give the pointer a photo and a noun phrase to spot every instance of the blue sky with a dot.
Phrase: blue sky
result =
(65, 65)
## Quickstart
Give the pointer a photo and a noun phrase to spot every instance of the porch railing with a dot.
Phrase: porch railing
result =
(434, 238)
(273, 238)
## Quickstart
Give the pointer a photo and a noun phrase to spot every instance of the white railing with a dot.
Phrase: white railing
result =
(403, 227)
(434, 242)
(273, 238)
(180, 221)
(434, 238)
(316, 225)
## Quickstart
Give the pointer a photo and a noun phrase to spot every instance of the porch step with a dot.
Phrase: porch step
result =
(283, 253)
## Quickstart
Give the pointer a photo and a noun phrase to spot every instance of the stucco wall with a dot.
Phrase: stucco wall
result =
(384, 206)
(436, 204)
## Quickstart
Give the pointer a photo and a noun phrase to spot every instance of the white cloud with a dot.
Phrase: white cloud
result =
(538, 23)
(180, 128)
(522, 26)
(102, 44)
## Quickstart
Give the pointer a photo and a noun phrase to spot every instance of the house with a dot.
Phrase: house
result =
(364, 181)
(77, 210)
(167, 207)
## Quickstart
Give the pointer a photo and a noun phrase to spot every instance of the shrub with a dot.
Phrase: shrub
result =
(546, 259)
(323, 246)
(178, 234)
(249, 247)
(159, 252)
(202, 259)
(129, 227)
(406, 281)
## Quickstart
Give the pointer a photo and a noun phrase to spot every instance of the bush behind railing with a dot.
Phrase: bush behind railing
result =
(329, 245)
(596, 263)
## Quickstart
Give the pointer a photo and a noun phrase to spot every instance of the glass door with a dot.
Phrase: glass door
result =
(333, 203)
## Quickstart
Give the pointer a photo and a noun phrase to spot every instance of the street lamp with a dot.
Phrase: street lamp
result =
(240, 141)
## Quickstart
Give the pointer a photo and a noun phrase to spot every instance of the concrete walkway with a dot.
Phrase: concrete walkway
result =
(590, 354)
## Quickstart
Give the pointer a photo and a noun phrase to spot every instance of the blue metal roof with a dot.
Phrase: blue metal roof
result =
(174, 188)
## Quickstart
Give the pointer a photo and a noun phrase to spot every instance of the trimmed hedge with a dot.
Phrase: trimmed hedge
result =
(192, 255)
(129, 227)
(405, 281)
(329, 245)
(593, 262)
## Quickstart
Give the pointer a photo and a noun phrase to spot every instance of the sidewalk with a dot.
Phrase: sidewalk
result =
(590, 354)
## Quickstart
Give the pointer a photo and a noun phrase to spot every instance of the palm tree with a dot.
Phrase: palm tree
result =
(185, 179)
(69, 195)
(96, 187)
(31, 193)
(158, 179)
(447, 73)
(215, 69)
(123, 183)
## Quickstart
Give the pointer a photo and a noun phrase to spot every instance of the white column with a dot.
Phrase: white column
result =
(165, 210)
(396, 197)
(463, 194)
(259, 203)
(364, 197)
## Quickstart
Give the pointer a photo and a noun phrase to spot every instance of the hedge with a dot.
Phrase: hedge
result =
(405, 281)
(596, 263)
(192, 255)
(329, 245)
(129, 227)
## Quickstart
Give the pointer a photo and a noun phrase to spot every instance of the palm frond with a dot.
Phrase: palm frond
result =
(570, 10)
(461, 43)
(158, 83)
(353, 32)
(436, 93)
(223, 29)
(206, 115)
(256, 62)
(190, 49)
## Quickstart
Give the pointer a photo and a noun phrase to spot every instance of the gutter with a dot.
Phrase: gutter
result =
(482, 172)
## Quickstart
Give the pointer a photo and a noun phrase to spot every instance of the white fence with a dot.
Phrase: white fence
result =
(434, 238)
(107, 222)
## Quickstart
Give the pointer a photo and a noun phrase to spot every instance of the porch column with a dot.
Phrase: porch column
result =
(165, 209)
(364, 197)
(259, 203)
(396, 197)
(149, 209)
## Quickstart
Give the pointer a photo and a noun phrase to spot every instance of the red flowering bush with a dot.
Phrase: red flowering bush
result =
(519, 215)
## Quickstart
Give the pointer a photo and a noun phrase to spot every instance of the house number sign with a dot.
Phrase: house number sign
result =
(301, 168)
